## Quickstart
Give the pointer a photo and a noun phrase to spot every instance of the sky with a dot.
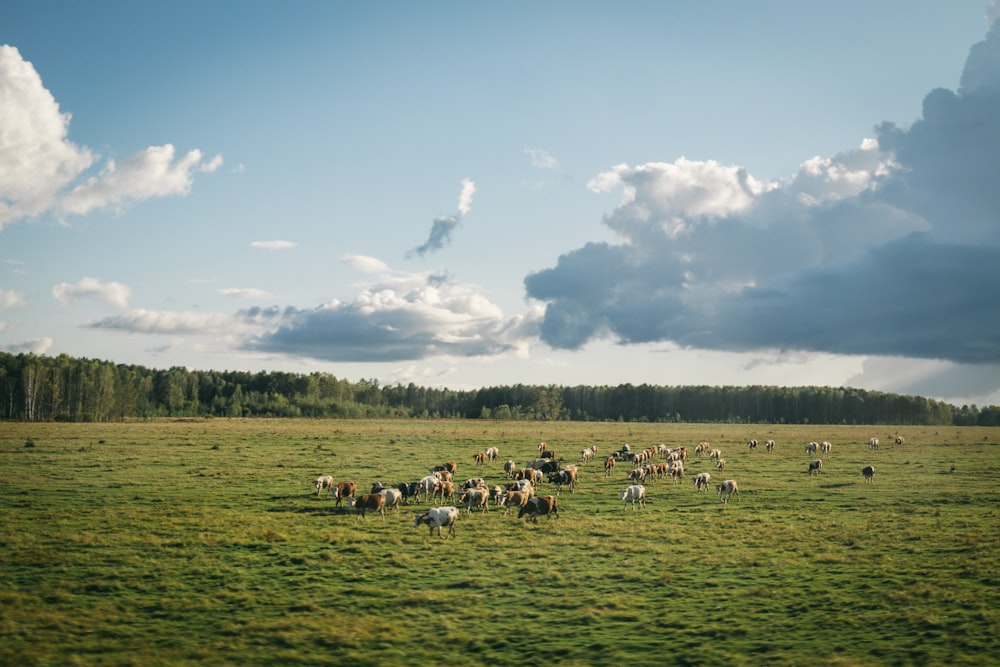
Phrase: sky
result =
(463, 194)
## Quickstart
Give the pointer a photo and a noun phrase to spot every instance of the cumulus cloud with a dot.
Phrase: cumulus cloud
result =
(42, 171)
(400, 316)
(34, 346)
(273, 245)
(891, 248)
(112, 294)
(444, 225)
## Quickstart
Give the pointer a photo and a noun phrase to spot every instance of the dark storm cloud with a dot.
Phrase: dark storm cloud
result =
(889, 249)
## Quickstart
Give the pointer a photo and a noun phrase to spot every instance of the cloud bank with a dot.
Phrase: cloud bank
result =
(42, 171)
(892, 248)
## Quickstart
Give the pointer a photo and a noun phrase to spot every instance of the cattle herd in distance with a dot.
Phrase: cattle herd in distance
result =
(521, 484)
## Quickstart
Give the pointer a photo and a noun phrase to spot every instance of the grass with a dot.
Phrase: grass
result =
(203, 542)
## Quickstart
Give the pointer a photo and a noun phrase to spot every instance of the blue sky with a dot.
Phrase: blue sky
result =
(470, 194)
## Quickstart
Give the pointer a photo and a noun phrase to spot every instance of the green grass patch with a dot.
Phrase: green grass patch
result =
(203, 541)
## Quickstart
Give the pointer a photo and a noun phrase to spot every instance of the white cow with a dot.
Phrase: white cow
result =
(324, 482)
(701, 481)
(634, 494)
(436, 517)
(812, 447)
(492, 453)
(393, 497)
(727, 489)
(825, 447)
(873, 444)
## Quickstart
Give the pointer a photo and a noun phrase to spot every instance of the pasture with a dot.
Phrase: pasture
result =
(204, 542)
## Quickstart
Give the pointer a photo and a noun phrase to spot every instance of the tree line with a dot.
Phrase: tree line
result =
(63, 388)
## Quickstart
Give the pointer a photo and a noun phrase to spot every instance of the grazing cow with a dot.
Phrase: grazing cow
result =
(409, 490)
(869, 473)
(522, 485)
(474, 483)
(547, 505)
(752, 445)
(701, 481)
(428, 485)
(369, 501)
(676, 471)
(514, 499)
(476, 498)
(769, 445)
(900, 441)
(449, 466)
(480, 458)
(508, 469)
(634, 494)
(609, 466)
(812, 447)
(720, 464)
(393, 497)
(702, 448)
(815, 467)
(564, 478)
(436, 517)
(492, 453)
(496, 495)
(715, 454)
(873, 444)
(825, 447)
(345, 490)
(727, 489)
(541, 447)
(324, 482)
(445, 491)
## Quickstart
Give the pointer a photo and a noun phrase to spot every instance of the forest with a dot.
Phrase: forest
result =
(63, 388)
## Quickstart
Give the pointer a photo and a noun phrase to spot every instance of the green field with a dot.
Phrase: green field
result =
(203, 542)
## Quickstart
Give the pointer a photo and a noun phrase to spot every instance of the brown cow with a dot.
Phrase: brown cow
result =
(369, 501)
(345, 490)
(547, 505)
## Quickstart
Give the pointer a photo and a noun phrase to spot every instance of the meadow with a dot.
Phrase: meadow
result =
(203, 542)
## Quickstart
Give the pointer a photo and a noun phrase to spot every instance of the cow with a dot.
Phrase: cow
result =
(676, 471)
(491, 454)
(547, 505)
(702, 448)
(369, 501)
(900, 441)
(815, 467)
(445, 491)
(393, 497)
(428, 485)
(496, 495)
(873, 444)
(812, 447)
(869, 473)
(541, 447)
(450, 466)
(409, 490)
(752, 445)
(522, 485)
(474, 483)
(514, 499)
(634, 494)
(727, 489)
(769, 445)
(480, 458)
(701, 481)
(476, 498)
(720, 464)
(323, 482)
(436, 517)
(345, 490)
(715, 454)
(564, 478)
(825, 447)
(609, 466)
(508, 468)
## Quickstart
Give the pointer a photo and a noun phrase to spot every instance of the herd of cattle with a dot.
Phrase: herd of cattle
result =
(520, 485)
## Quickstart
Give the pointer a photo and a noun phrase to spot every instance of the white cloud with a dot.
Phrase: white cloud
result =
(541, 159)
(366, 264)
(171, 322)
(38, 163)
(36, 159)
(465, 196)
(10, 299)
(150, 173)
(34, 346)
(243, 292)
(273, 245)
(113, 294)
